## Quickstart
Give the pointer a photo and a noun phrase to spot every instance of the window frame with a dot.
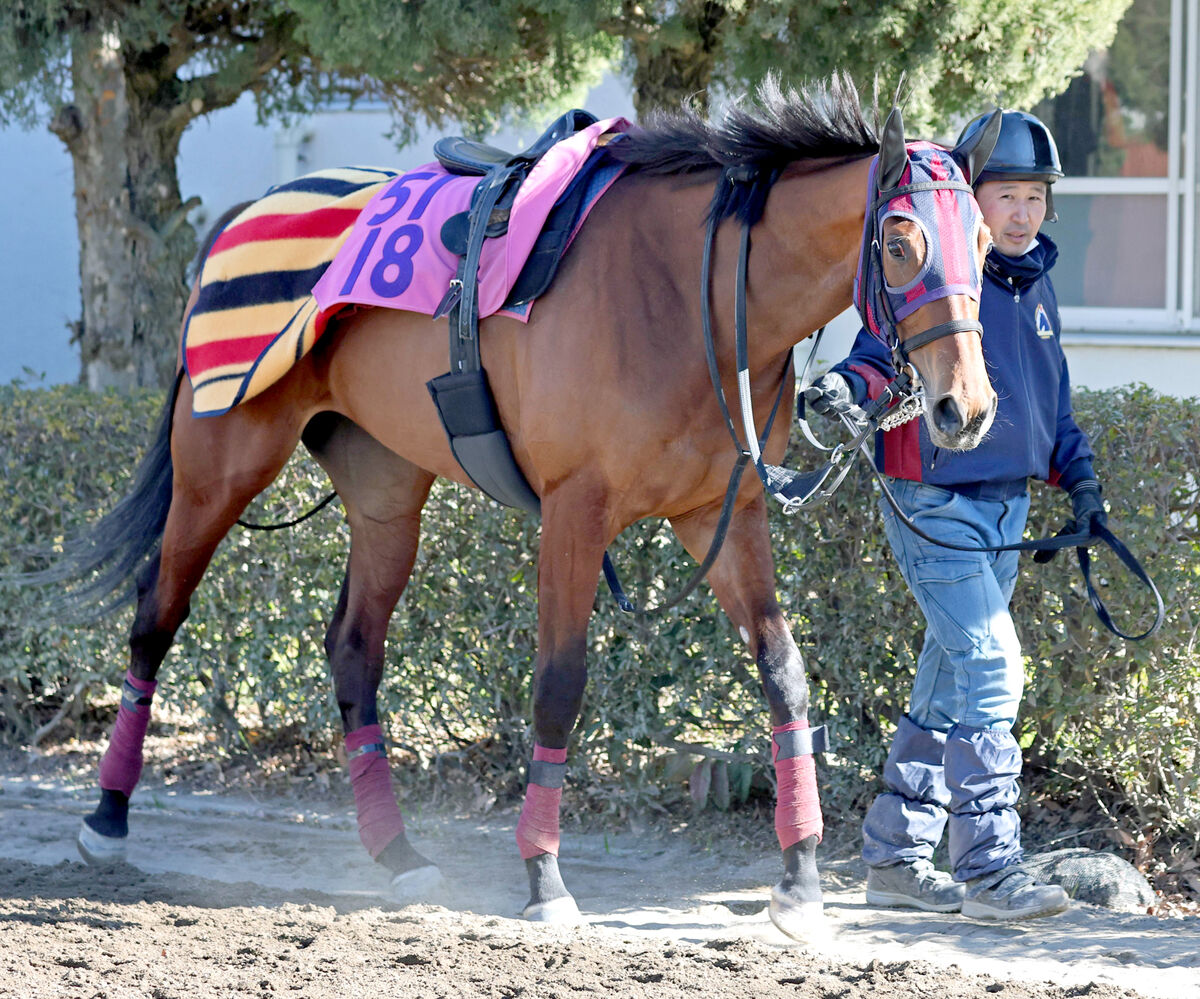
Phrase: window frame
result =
(1180, 311)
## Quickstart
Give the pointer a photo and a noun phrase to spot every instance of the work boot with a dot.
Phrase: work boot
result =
(916, 884)
(1011, 893)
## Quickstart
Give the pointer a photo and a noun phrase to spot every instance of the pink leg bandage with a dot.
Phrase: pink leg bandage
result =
(537, 829)
(379, 818)
(122, 763)
(797, 805)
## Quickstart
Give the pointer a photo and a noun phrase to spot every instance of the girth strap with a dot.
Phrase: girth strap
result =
(462, 396)
(464, 314)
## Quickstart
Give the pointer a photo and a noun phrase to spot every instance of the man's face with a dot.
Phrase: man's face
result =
(1014, 210)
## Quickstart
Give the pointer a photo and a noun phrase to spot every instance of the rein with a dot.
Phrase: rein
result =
(745, 453)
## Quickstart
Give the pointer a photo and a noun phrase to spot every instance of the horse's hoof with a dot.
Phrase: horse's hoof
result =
(561, 911)
(416, 885)
(98, 849)
(801, 920)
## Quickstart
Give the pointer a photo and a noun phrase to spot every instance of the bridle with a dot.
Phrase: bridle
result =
(881, 306)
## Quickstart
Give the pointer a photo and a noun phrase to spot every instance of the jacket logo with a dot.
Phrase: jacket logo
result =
(1041, 323)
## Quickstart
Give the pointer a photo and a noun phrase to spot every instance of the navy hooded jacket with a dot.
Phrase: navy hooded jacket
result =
(1034, 433)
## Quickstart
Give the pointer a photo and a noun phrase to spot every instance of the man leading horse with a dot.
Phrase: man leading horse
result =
(954, 761)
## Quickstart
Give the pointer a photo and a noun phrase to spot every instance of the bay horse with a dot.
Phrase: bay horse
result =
(606, 401)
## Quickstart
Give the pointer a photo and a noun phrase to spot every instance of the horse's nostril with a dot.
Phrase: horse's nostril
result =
(947, 416)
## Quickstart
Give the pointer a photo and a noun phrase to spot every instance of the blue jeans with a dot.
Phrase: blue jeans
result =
(970, 670)
(954, 757)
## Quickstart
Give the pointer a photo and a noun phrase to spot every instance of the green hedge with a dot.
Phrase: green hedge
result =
(1116, 720)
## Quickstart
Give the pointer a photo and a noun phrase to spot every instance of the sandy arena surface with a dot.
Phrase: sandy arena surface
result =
(225, 895)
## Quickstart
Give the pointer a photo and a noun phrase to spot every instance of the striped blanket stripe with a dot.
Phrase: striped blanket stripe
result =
(255, 315)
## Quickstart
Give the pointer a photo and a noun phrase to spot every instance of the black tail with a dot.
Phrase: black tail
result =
(100, 563)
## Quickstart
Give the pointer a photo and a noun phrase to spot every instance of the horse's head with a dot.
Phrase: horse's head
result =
(920, 275)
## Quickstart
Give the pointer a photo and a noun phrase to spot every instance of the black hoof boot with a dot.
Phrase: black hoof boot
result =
(549, 900)
(414, 877)
(104, 834)
(796, 904)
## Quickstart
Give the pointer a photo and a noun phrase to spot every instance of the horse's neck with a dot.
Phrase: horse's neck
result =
(805, 253)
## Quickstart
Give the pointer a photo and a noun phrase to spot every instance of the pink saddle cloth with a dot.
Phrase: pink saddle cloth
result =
(394, 257)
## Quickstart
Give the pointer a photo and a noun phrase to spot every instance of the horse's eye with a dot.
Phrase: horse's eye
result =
(896, 248)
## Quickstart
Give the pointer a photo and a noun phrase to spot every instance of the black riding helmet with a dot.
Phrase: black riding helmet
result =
(1024, 150)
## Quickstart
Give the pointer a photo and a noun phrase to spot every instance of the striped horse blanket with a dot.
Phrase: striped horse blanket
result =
(255, 315)
(291, 261)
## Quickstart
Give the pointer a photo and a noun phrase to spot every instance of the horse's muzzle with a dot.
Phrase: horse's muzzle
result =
(952, 429)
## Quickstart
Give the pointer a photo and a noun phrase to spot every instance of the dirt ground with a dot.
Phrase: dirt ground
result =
(231, 894)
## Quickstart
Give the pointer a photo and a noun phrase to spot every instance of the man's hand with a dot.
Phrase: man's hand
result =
(1087, 505)
(831, 395)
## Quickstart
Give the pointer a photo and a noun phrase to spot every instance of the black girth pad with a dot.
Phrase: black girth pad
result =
(468, 414)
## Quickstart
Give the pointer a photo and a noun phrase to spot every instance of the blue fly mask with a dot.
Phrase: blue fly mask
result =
(925, 184)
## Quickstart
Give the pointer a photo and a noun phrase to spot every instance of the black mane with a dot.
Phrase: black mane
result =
(773, 128)
(762, 134)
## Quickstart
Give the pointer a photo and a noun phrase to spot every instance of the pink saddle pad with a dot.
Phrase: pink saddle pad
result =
(394, 257)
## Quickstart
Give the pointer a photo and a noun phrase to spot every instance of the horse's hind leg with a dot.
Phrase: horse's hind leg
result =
(383, 495)
(218, 465)
(743, 579)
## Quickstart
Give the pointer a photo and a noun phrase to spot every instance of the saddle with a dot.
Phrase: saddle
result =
(463, 396)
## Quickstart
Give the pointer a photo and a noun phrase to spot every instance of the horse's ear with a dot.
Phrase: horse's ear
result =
(893, 156)
(972, 153)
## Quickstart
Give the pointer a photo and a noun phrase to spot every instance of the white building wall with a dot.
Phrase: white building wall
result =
(39, 257)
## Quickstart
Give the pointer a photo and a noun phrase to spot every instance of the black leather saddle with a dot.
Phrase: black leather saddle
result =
(503, 170)
(472, 158)
(463, 396)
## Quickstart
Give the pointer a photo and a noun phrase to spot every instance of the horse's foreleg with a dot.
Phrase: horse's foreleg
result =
(383, 495)
(568, 568)
(743, 579)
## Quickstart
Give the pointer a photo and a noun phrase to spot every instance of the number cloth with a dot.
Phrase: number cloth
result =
(395, 259)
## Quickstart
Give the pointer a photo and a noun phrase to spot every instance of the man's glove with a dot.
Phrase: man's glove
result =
(831, 395)
(1088, 506)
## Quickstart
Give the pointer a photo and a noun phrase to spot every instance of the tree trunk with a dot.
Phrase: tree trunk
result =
(134, 238)
(669, 72)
